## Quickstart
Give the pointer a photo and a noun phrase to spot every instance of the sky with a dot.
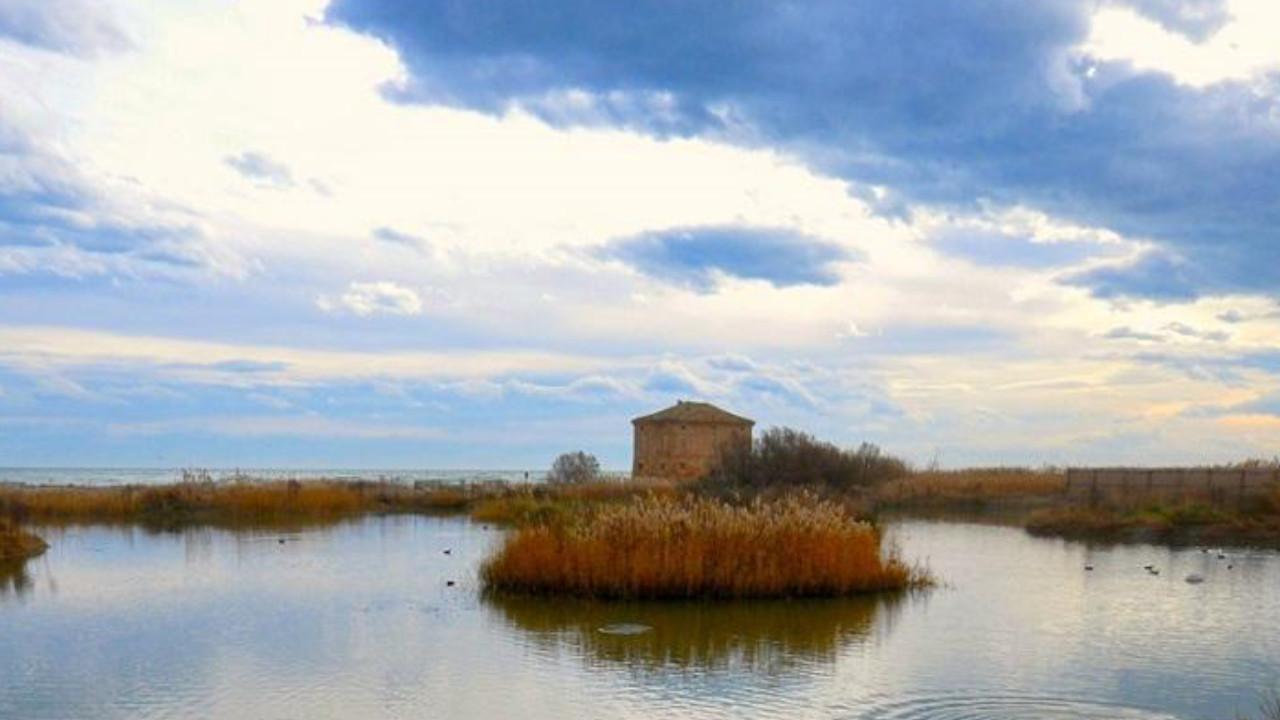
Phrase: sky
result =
(449, 234)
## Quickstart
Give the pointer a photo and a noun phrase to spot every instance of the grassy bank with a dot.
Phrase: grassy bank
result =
(253, 502)
(233, 503)
(971, 490)
(17, 544)
(661, 547)
(1036, 499)
(1173, 523)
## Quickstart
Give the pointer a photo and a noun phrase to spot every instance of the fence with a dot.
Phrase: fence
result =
(1212, 485)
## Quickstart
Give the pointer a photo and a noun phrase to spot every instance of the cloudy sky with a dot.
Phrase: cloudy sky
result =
(371, 233)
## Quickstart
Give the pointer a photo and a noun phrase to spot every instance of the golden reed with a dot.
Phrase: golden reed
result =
(664, 547)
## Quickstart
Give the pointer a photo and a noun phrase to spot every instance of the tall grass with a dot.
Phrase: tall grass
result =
(975, 485)
(1186, 519)
(541, 504)
(659, 547)
(243, 501)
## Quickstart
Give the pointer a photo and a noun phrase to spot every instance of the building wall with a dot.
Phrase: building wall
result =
(681, 451)
(1118, 486)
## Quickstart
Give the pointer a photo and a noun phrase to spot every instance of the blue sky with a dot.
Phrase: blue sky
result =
(451, 234)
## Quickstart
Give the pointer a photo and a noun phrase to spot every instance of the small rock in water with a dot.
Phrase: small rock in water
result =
(281, 541)
(1195, 579)
(448, 551)
(624, 629)
(449, 583)
(1088, 567)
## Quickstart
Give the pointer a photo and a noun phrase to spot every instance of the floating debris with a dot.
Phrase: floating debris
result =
(1195, 579)
(624, 629)
(449, 583)
(1088, 568)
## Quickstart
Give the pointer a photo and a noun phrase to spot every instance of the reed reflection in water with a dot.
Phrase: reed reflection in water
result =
(767, 636)
(14, 578)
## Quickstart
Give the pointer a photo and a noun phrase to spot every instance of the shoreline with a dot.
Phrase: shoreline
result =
(1030, 499)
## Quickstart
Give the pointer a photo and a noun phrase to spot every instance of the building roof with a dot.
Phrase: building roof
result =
(687, 411)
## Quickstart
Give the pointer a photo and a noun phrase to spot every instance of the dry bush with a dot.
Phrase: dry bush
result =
(783, 458)
(659, 547)
(574, 467)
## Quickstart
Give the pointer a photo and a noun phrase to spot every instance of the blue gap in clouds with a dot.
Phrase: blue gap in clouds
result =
(691, 256)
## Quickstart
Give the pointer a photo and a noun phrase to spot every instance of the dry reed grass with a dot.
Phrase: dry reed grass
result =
(1182, 519)
(542, 504)
(249, 501)
(244, 501)
(660, 547)
(975, 485)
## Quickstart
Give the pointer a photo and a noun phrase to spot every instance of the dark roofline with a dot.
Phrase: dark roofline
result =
(689, 411)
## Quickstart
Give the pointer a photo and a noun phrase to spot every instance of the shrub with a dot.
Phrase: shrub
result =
(786, 458)
(659, 547)
(574, 467)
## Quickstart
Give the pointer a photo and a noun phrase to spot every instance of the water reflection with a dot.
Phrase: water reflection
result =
(761, 636)
(14, 578)
(361, 620)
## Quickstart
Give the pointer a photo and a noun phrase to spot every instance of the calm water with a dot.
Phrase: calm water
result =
(359, 621)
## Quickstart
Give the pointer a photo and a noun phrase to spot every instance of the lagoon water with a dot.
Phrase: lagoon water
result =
(359, 621)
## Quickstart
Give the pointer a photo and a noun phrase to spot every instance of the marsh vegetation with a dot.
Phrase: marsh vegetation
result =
(695, 547)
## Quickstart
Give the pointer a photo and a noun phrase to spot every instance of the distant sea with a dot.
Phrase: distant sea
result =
(155, 476)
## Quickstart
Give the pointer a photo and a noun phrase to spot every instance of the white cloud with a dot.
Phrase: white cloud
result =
(309, 426)
(45, 350)
(371, 298)
(1242, 49)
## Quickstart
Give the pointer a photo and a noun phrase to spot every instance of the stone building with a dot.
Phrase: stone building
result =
(683, 441)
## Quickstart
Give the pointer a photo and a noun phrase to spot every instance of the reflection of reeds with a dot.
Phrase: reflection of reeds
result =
(756, 634)
(659, 547)
(16, 543)
(13, 577)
